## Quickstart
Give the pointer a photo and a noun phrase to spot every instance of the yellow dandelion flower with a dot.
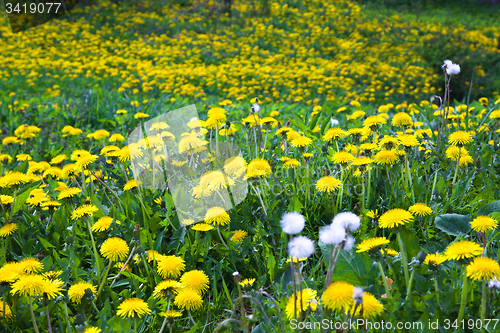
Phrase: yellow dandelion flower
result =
(370, 307)
(460, 138)
(202, 227)
(170, 266)
(239, 235)
(196, 280)
(420, 209)
(31, 265)
(338, 296)
(188, 299)
(462, 249)
(386, 157)
(394, 218)
(308, 297)
(166, 288)
(114, 249)
(8, 229)
(483, 224)
(328, 184)
(372, 243)
(133, 307)
(81, 211)
(217, 216)
(483, 268)
(436, 259)
(103, 224)
(246, 282)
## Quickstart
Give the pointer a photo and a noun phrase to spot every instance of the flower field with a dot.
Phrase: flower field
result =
(361, 165)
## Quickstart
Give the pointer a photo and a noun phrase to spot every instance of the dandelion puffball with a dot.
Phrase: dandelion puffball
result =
(332, 234)
(347, 220)
(451, 68)
(357, 292)
(292, 223)
(300, 247)
(349, 243)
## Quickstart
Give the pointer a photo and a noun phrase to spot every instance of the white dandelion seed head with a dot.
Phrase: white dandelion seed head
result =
(494, 283)
(332, 234)
(255, 107)
(292, 223)
(347, 220)
(450, 67)
(357, 293)
(300, 247)
(334, 122)
(453, 69)
(349, 243)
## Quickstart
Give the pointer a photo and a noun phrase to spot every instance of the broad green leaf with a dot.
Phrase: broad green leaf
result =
(324, 125)
(45, 243)
(21, 198)
(271, 265)
(297, 122)
(314, 121)
(411, 243)
(453, 224)
(489, 208)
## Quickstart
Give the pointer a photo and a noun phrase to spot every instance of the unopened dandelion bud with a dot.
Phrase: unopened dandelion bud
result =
(139, 250)
(69, 240)
(236, 277)
(79, 320)
(89, 294)
(137, 232)
(421, 256)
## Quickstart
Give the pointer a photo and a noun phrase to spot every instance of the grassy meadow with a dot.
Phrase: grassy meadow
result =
(368, 132)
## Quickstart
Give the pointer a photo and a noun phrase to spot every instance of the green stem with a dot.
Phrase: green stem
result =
(403, 259)
(408, 174)
(369, 186)
(260, 198)
(483, 302)
(456, 168)
(33, 316)
(242, 304)
(437, 291)
(465, 293)
(103, 279)
(408, 294)
(386, 285)
(93, 246)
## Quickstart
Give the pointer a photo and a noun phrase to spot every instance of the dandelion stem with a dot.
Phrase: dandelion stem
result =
(104, 279)
(93, 245)
(242, 304)
(49, 327)
(35, 328)
(437, 291)
(191, 317)
(329, 274)
(403, 259)
(465, 293)
(260, 199)
(456, 168)
(483, 301)
(410, 284)
(408, 175)
(384, 279)
(123, 267)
